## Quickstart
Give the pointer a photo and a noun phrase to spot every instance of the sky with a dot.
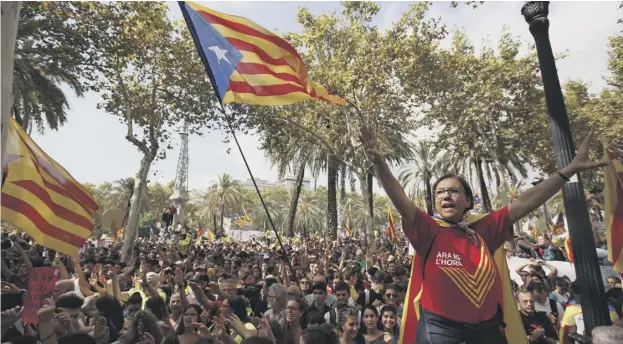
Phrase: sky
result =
(93, 148)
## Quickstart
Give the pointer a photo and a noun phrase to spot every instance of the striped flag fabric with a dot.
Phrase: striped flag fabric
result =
(613, 204)
(391, 229)
(42, 198)
(248, 64)
(245, 216)
(210, 235)
(238, 220)
(347, 229)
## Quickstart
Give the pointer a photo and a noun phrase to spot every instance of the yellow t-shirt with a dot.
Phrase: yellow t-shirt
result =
(238, 338)
(573, 317)
(353, 293)
(139, 289)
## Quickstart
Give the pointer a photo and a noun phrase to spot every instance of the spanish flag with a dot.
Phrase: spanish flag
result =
(515, 332)
(42, 198)
(613, 204)
(248, 64)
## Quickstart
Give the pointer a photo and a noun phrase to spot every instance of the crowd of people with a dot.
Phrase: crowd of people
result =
(319, 289)
(225, 291)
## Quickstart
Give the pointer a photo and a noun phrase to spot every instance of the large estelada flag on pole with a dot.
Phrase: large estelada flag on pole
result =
(613, 204)
(42, 198)
(248, 64)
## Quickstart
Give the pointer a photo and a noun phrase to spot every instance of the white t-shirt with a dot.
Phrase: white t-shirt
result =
(546, 307)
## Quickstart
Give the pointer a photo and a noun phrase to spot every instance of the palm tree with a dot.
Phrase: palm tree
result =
(309, 214)
(42, 63)
(121, 193)
(223, 197)
(427, 163)
(277, 203)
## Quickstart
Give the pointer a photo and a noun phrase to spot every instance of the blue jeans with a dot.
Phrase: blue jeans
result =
(435, 329)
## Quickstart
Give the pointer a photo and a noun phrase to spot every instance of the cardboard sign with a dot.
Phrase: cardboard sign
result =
(40, 286)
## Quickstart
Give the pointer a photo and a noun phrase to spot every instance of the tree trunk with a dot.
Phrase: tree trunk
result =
(294, 200)
(222, 230)
(369, 220)
(486, 202)
(214, 224)
(343, 184)
(140, 187)
(10, 20)
(332, 172)
(429, 197)
(369, 182)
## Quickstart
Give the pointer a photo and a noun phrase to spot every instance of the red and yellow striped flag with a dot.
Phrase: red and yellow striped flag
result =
(248, 64)
(391, 229)
(210, 235)
(347, 229)
(613, 204)
(42, 198)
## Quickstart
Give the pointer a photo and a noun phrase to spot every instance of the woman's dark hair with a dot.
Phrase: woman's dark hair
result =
(396, 329)
(322, 333)
(156, 306)
(144, 322)
(181, 328)
(111, 310)
(362, 328)
(469, 195)
(314, 318)
(239, 308)
(70, 301)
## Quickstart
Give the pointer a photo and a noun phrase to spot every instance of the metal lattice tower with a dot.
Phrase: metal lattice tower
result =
(180, 190)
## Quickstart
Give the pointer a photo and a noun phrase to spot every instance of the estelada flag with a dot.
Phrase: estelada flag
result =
(248, 64)
(514, 331)
(42, 198)
(613, 204)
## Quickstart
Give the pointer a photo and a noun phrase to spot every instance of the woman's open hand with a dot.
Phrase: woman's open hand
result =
(368, 139)
(582, 161)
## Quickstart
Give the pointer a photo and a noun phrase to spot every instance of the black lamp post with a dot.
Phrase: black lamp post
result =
(588, 273)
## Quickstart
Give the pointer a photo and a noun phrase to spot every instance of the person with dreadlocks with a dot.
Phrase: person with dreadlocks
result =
(454, 276)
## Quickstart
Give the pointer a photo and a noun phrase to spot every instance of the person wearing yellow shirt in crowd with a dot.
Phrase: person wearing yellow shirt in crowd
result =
(351, 277)
(146, 286)
(573, 320)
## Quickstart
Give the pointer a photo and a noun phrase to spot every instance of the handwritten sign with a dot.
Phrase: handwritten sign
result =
(40, 286)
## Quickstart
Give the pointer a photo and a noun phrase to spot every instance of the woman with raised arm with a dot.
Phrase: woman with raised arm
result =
(461, 289)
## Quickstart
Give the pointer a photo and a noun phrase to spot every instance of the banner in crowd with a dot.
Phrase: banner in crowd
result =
(42, 198)
(40, 286)
(240, 235)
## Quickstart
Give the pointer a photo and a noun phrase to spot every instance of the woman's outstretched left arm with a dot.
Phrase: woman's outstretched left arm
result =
(535, 197)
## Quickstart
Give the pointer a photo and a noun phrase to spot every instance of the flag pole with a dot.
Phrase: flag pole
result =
(259, 194)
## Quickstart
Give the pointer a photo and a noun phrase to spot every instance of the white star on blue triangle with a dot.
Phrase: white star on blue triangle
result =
(216, 52)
